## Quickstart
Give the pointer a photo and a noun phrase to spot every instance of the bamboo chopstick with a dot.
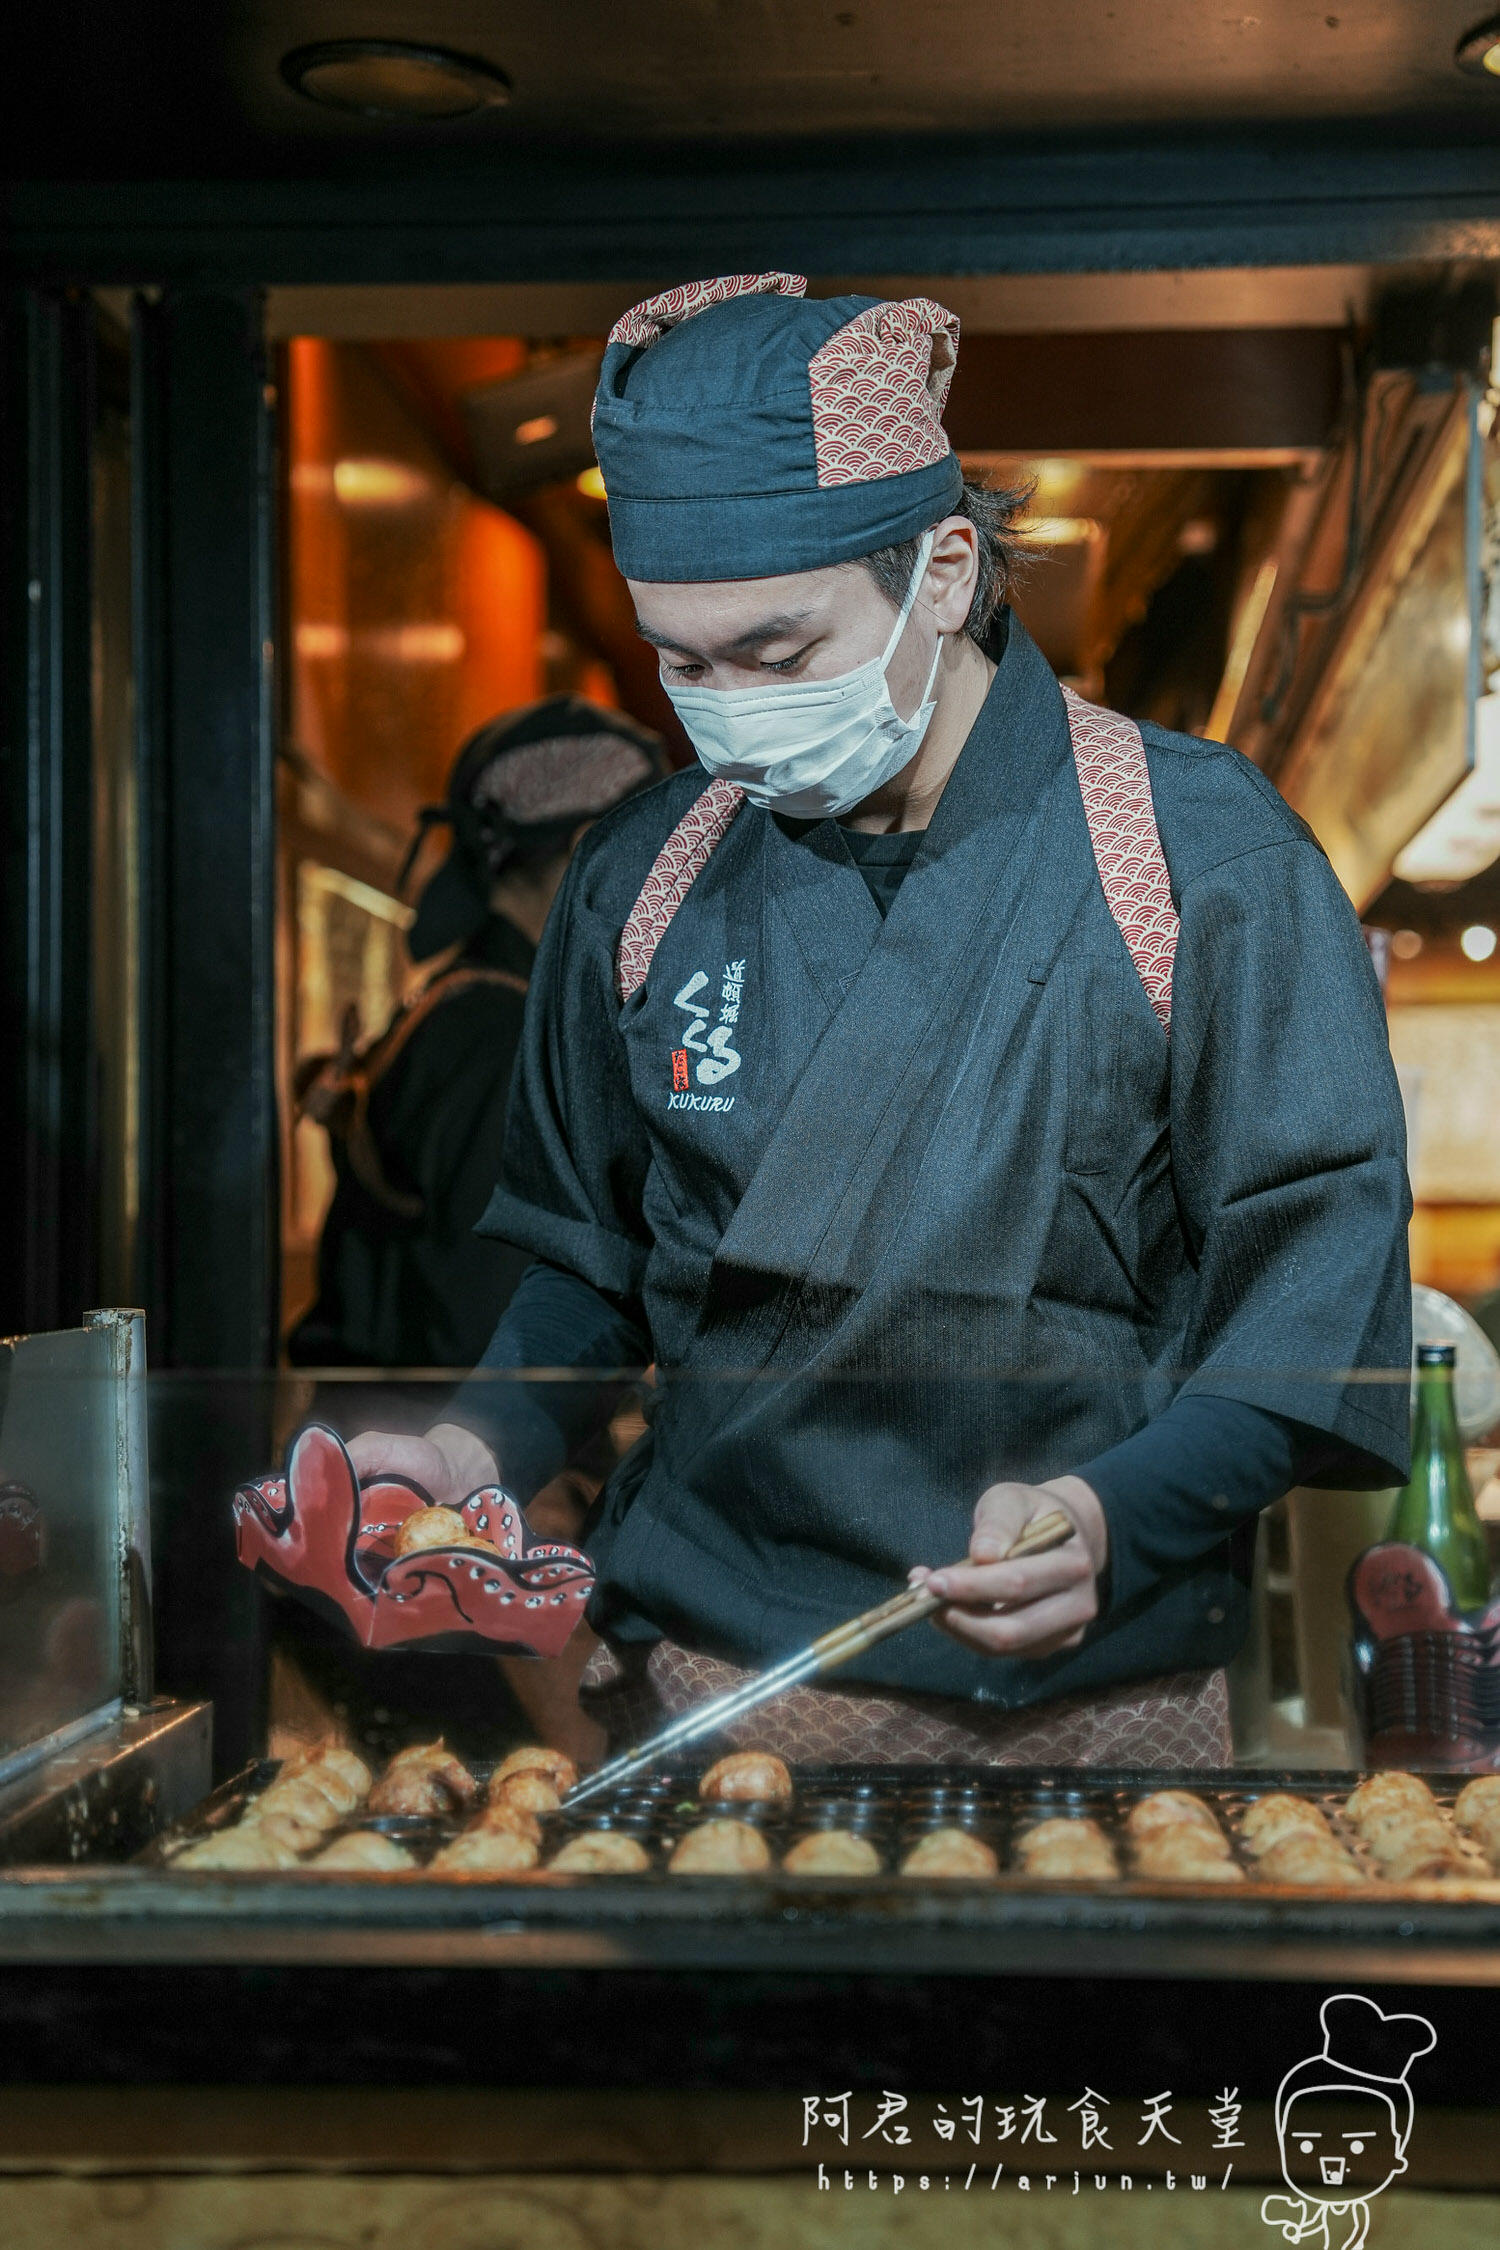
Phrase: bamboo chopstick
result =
(831, 1649)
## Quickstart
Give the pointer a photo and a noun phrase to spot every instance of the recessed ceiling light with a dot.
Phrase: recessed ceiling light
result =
(1479, 50)
(394, 78)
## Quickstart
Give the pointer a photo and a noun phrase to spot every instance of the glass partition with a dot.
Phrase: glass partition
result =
(61, 1654)
(317, 1580)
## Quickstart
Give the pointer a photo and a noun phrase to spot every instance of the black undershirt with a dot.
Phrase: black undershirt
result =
(882, 860)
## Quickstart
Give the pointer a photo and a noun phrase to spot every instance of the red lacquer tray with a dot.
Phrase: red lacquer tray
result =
(322, 1535)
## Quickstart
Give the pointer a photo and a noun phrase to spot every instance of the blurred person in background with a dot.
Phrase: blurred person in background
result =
(415, 1118)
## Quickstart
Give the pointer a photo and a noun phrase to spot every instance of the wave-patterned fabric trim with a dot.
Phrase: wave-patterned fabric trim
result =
(653, 316)
(1109, 757)
(674, 871)
(878, 389)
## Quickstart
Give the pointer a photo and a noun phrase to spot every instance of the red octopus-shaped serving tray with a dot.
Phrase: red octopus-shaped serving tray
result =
(322, 1535)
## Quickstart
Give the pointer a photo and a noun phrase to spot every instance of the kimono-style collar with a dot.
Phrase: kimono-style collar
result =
(1014, 749)
(1022, 714)
(989, 897)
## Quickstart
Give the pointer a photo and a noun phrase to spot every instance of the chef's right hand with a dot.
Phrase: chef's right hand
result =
(448, 1463)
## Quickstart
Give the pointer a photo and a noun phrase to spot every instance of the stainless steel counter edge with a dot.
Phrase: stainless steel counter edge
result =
(125, 1915)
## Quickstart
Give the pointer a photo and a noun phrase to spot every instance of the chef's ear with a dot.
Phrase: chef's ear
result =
(1400, 2165)
(952, 573)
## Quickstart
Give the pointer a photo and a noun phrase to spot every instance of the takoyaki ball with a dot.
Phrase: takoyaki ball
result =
(1478, 1802)
(1269, 1819)
(746, 1776)
(534, 1757)
(486, 1851)
(1058, 1848)
(516, 1818)
(426, 1780)
(350, 1765)
(1302, 1857)
(239, 1849)
(437, 1527)
(527, 1792)
(1385, 1793)
(1072, 1863)
(297, 1798)
(321, 1774)
(1484, 1831)
(1169, 1808)
(720, 1847)
(341, 1774)
(832, 1851)
(364, 1851)
(949, 1852)
(602, 1851)
(1407, 1848)
(1044, 1835)
(1395, 1835)
(1186, 1854)
(298, 1836)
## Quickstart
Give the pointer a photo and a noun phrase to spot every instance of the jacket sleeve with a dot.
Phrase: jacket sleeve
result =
(575, 1157)
(1289, 1158)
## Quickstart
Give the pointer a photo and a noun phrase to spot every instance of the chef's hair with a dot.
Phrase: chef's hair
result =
(992, 510)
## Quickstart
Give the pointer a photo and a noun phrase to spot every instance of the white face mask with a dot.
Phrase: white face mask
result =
(820, 747)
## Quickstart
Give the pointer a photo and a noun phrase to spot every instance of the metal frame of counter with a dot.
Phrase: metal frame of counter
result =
(135, 1976)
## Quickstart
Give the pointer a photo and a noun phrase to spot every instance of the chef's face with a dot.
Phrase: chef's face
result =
(1339, 2147)
(809, 625)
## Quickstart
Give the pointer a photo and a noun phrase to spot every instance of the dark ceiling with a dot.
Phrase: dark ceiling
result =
(158, 89)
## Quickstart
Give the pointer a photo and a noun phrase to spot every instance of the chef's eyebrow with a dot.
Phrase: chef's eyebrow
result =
(786, 622)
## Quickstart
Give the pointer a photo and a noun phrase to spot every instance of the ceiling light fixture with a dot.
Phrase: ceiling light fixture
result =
(1479, 50)
(394, 78)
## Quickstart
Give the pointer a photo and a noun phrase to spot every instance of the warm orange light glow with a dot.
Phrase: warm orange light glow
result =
(537, 430)
(378, 484)
(591, 484)
(410, 625)
(1059, 531)
(326, 641)
(426, 643)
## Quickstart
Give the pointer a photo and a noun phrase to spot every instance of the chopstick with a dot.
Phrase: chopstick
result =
(831, 1649)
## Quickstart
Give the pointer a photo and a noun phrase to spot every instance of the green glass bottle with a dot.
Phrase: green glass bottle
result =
(1436, 1510)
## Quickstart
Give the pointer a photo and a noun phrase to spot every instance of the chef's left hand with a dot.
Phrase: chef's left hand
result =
(1031, 1607)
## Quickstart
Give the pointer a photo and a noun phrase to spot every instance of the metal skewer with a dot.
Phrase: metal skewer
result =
(831, 1649)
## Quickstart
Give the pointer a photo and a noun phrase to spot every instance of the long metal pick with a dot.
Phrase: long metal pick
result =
(822, 1655)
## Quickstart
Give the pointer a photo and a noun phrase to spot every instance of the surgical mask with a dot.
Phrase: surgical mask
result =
(818, 748)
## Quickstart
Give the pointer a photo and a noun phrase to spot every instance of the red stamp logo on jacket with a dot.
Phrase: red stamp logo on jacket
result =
(679, 1070)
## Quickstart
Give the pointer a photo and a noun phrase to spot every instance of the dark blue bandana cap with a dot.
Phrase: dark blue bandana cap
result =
(745, 430)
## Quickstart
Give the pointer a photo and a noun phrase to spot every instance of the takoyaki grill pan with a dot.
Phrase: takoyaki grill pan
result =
(892, 1806)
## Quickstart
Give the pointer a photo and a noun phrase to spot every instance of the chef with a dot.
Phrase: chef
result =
(972, 1105)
